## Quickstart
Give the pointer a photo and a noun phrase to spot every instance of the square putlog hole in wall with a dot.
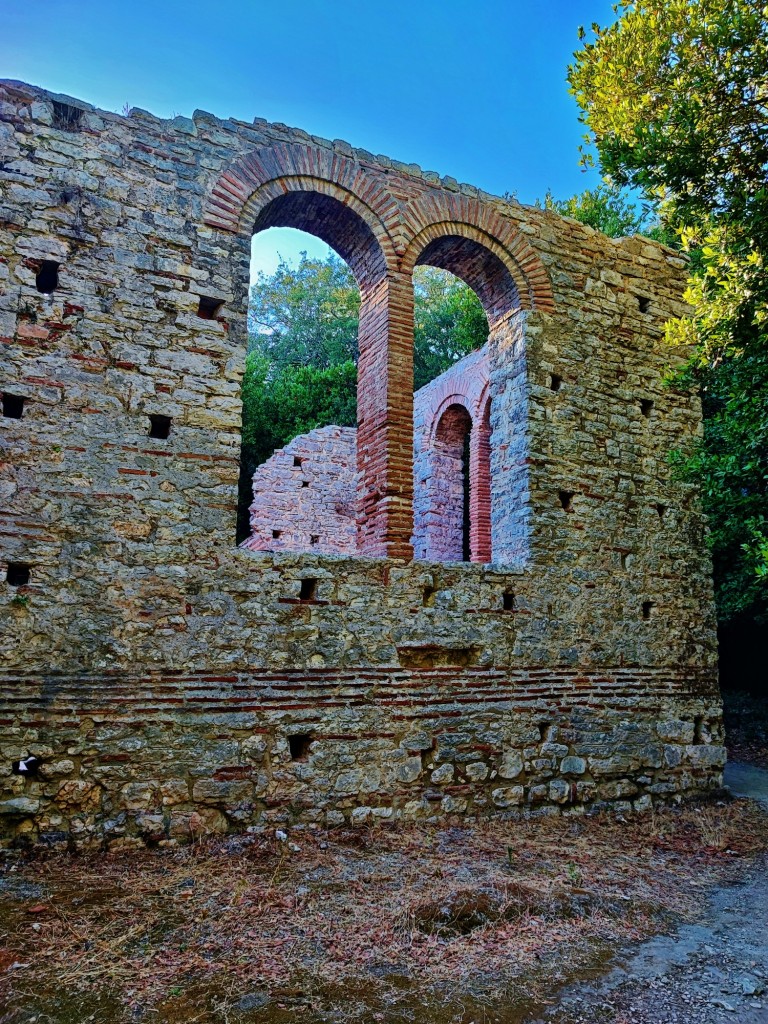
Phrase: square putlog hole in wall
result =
(66, 117)
(159, 426)
(299, 745)
(13, 406)
(643, 303)
(308, 590)
(17, 574)
(508, 601)
(297, 460)
(209, 307)
(646, 407)
(648, 607)
(28, 766)
(555, 382)
(47, 277)
(566, 500)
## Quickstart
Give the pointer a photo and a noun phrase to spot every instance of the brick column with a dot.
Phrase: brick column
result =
(480, 487)
(385, 417)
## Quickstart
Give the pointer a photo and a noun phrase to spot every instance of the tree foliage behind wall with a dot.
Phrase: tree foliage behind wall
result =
(674, 95)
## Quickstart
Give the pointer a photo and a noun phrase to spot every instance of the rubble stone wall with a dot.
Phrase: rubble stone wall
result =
(169, 682)
(305, 495)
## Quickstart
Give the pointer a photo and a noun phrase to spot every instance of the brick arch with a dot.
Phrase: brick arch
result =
(256, 191)
(457, 242)
(453, 399)
(459, 386)
(334, 198)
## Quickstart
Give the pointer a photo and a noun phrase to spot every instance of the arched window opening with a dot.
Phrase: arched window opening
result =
(480, 268)
(452, 436)
(447, 532)
(449, 323)
(498, 479)
(298, 482)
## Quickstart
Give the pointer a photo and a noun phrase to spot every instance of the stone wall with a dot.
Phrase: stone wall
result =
(169, 682)
(305, 495)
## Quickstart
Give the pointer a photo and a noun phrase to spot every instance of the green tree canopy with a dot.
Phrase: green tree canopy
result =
(604, 208)
(305, 315)
(674, 95)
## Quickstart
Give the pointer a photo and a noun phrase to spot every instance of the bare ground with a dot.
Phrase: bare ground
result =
(465, 924)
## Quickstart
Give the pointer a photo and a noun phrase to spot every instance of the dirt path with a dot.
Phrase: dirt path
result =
(712, 971)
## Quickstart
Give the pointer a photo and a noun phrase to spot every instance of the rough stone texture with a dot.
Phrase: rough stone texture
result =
(159, 672)
(305, 495)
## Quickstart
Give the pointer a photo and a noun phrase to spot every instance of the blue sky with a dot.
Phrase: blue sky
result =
(472, 89)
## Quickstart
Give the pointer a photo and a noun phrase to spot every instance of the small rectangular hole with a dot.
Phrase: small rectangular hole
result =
(643, 303)
(159, 426)
(646, 406)
(647, 609)
(428, 597)
(296, 460)
(508, 601)
(47, 277)
(299, 746)
(67, 117)
(308, 589)
(566, 499)
(13, 406)
(208, 307)
(29, 765)
(314, 538)
(17, 574)
(276, 534)
(555, 382)
(661, 510)
(305, 483)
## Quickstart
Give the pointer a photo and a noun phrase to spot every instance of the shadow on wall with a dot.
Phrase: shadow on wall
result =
(743, 662)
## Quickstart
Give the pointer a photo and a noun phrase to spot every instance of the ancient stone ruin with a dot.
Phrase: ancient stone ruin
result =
(305, 495)
(160, 682)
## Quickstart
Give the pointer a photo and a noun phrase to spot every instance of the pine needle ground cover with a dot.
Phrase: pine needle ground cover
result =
(452, 924)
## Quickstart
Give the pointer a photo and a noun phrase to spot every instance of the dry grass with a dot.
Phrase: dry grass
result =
(354, 921)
